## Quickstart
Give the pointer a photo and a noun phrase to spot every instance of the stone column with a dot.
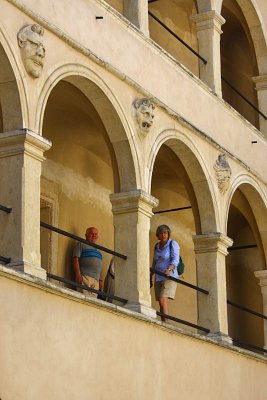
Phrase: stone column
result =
(136, 11)
(262, 276)
(208, 25)
(210, 250)
(261, 87)
(132, 212)
(21, 154)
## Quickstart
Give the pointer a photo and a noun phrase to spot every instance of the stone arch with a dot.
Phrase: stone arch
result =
(110, 112)
(251, 13)
(207, 210)
(257, 201)
(247, 226)
(13, 104)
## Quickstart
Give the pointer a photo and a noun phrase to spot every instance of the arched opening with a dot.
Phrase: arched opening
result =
(238, 62)
(245, 257)
(176, 15)
(80, 170)
(178, 181)
(10, 105)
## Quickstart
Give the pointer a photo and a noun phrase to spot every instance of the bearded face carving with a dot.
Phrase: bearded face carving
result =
(30, 41)
(144, 114)
(223, 173)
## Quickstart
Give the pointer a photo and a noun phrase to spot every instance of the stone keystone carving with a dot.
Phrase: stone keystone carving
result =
(223, 173)
(144, 114)
(30, 41)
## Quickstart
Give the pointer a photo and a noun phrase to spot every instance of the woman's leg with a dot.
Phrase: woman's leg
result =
(163, 304)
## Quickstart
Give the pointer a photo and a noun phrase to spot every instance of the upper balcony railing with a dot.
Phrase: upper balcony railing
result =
(229, 84)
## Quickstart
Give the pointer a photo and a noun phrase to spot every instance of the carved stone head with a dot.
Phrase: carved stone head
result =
(223, 173)
(30, 41)
(144, 114)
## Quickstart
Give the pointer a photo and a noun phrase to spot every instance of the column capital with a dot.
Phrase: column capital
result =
(260, 82)
(262, 276)
(132, 201)
(212, 242)
(23, 141)
(208, 20)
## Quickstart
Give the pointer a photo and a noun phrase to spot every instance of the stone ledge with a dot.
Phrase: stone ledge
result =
(121, 311)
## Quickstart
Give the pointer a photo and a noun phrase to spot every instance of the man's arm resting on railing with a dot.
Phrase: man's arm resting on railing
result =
(77, 271)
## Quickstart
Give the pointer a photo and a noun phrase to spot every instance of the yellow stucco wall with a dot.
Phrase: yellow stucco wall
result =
(57, 346)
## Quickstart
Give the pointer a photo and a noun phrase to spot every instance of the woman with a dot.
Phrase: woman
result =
(166, 258)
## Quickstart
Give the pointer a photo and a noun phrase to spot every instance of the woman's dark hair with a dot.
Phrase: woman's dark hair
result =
(163, 228)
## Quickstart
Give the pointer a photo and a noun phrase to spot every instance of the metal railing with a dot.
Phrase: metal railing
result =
(172, 210)
(194, 287)
(5, 209)
(181, 321)
(75, 237)
(5, 259)
(246, 246)
(180, 281)
(203, 60)
(242, 343)
(246, 309)
(104, 295)
(236, 341)
(84, 287)
(177, 37)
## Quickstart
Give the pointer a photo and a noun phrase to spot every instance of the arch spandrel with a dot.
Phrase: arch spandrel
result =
(110, 112)
(207, 209)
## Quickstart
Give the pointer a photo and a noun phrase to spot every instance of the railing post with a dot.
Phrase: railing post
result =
(21, 154)
(210, 250)
(132, 212)
(136, 11)
(261, 87)
(262, 276)
(208, 25)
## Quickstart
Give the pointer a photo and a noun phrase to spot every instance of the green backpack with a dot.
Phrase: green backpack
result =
(180, 267)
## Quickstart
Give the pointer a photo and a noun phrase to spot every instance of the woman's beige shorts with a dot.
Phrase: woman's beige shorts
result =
(165, 288)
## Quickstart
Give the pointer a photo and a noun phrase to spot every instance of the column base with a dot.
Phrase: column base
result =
(220, 337)
(142, 309)
(28, 268)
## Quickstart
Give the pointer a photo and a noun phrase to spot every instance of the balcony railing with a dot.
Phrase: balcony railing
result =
(203, 60)
(236, 341)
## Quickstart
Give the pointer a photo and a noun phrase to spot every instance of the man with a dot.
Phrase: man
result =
(30, 41)
(87, 263)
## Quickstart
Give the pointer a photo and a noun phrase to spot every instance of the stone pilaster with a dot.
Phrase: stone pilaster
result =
(210, 250)
(136, 11)
(132, 212)
(21, 154)
(209, 31)
(262, 276)
(261, 87)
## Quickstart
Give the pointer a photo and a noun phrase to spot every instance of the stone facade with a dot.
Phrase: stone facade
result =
(111, 121)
